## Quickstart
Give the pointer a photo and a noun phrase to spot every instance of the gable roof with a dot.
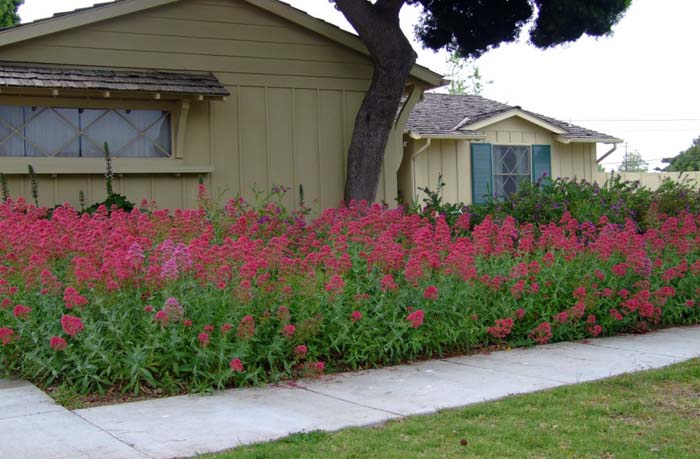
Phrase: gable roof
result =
(71, 78)
(455, 116)
(104, 11)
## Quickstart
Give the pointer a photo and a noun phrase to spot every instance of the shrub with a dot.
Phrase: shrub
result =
(211, 298)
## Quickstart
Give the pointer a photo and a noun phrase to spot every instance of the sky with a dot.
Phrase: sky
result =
(640, 84)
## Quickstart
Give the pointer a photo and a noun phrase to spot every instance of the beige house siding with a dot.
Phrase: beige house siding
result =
(288, 121)
(422, 166)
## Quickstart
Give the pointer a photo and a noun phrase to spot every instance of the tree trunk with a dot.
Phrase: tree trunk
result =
(378, 27)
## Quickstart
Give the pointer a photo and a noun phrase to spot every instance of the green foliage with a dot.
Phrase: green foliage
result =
(633, 162)
(471, 28)
(34, 185)
(548, 200)
(465, 76)
(434, 204)
(113, 200)
(8, 12)
(4, 188)
(687, 160)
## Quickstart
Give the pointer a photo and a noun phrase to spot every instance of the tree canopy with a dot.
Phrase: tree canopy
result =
(687, 160)
(8, 12)
(467, 28)
(633, 162)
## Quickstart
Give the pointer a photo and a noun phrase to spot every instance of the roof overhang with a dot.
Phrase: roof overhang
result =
(504, 115)
(76, 81)
(119, 8)
(452, 136)
(567, 140)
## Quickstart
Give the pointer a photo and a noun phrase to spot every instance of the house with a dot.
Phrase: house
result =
(245, 93)
(482, 147)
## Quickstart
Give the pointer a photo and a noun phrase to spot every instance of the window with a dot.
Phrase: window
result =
(500, 169)
(82, 132)
(511, 165)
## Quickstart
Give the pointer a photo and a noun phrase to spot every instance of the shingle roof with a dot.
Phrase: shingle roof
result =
(32, 76)
(445, 114)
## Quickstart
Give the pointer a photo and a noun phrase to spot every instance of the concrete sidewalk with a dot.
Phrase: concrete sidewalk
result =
(33, 427)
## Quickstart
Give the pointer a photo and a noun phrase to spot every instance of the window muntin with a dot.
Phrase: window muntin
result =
(27, 131)
(511, 165)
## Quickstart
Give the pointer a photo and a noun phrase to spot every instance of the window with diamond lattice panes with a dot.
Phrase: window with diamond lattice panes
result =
(511, 165)
(32, 131)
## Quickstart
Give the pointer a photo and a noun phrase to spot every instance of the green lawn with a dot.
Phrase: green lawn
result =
(654, 414)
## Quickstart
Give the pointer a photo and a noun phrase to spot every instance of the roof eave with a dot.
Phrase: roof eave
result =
(454, 136)
(567, 140)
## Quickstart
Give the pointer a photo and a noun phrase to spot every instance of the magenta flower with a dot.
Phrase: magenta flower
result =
(416, 318)
(288, 331)
(21, 311)
(57, 343)
(300, 351)
(236, 365)
(7, 335)
(71, 325)
(430, 293)
(356, 316)
(203, 339)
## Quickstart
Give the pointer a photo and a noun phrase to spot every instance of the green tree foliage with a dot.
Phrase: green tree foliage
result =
(688, 160)
(468, 28)
(633, 162)
(8, 12)
(465, 76)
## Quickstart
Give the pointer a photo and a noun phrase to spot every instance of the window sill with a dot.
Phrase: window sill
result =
(65, 166)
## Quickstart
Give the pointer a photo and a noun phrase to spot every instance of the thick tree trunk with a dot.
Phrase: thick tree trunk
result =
(378, 27)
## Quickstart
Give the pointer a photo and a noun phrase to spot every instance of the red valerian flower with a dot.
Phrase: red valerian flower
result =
(71, 325)
(208, 328)
(288, 331)
(356, 316)
(430, 293)
(300, 351)
(57, 343)
(187, 323)
(562, 317)
(71, 298)
(615, 314)
(520, 313)
(416, 318)
(6, 335)
(236, 365)
(162, 318)
(225, 328)
(21, 311)
(335, 284)
(595, 330)
(542, 333)
(580, 293)
(148, 308)
(203, 339)
(388, 283)
(502, 328)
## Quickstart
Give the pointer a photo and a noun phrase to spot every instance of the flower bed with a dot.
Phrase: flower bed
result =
(204, 299)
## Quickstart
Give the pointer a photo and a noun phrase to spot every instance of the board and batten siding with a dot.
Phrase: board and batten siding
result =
(288, 121)
(451, 158)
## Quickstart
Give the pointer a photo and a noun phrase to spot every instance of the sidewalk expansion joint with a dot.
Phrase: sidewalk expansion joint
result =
(340, 399)
(128, 445)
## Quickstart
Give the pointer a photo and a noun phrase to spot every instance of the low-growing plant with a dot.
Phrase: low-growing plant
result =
(185, 302)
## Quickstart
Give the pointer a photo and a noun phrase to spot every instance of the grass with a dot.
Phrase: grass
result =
(653, 414)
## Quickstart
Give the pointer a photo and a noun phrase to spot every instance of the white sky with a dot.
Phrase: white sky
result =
(639, 85)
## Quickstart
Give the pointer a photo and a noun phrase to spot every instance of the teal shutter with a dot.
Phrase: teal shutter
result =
(482, 173)
(541, 161)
